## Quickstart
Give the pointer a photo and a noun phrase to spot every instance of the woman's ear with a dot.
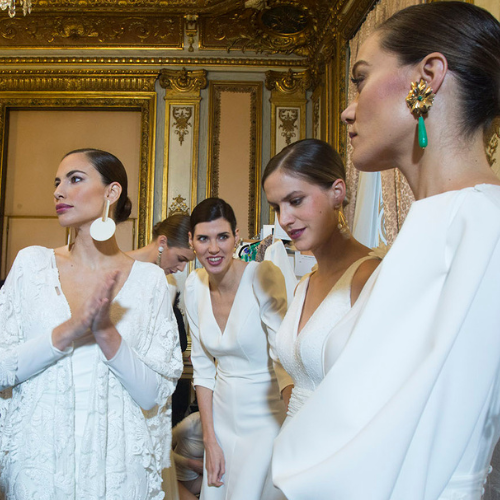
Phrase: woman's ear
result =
(113, 192)
(190, 238)
(338, 191)
(162, 241)
(237, 236)
(433, 69)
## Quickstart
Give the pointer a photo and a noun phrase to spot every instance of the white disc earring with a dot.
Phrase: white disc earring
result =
(104, 227)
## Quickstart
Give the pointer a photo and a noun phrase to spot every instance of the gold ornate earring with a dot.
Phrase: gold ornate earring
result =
(342, 225)
(419, 100)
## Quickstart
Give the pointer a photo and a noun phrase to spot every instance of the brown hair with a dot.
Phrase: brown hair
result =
(176, 229)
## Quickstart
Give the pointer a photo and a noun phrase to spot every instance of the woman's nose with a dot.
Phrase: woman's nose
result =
(348, 115)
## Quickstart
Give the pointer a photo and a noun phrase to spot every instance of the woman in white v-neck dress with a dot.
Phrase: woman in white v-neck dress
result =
(234, 309)
(86, 370)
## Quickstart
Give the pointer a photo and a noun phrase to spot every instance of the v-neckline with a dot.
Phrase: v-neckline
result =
(234, 301)
(63, 295)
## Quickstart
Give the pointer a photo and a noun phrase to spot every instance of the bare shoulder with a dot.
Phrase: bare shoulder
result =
(361, 276)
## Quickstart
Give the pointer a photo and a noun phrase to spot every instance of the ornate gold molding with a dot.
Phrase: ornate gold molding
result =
(152, 61)
(145, 103)
(183, 81)
(77, 80)
(288, 123)
(92, 29)
(173, 6)
(288, 83)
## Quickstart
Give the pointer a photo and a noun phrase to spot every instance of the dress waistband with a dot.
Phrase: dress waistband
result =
(297, 399)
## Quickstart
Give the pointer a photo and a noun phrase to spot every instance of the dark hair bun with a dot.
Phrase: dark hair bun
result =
(123, 209)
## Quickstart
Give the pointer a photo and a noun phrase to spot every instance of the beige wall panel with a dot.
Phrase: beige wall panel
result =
(26, 232)
(235, 135)
(38, 139)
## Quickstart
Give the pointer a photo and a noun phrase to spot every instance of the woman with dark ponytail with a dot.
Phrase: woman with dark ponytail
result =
(410, 407)
(89, 353)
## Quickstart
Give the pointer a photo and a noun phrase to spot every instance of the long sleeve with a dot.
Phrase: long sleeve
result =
(203, 363)
(21, 359)
(139, 380)
(411, 401)
(270, 291)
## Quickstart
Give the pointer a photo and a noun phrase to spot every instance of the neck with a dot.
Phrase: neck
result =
(148, 253)
(337, 253)
(91, 253)
(448, 165)
(223, 282)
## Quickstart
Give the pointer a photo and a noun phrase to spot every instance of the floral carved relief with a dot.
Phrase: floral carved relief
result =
(288, 118)
(182, 115)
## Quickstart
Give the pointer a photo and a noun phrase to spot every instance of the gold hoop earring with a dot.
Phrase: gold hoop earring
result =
(420, 99)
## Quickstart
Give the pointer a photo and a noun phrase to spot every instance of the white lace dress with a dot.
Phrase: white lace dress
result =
(118, 449)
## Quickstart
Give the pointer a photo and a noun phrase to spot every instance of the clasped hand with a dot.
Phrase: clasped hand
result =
(93, 315)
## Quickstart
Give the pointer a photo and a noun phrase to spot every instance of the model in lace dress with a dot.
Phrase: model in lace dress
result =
(234, 309)
(410, 408)
(86, 370)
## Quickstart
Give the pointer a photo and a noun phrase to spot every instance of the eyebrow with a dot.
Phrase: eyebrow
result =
(357, 65)
(71, 172)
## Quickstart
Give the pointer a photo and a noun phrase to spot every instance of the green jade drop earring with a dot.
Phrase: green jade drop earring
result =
(419, 100)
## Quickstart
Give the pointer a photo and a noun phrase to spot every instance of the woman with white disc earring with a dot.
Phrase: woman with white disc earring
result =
(86, 368)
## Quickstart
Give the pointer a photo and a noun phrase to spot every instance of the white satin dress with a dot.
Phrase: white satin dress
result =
(237, 366)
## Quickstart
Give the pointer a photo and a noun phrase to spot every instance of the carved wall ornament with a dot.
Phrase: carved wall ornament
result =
(288, 118)
(182, 115)
(178, 206)
(316, 119)
(191, 27)
(91, 29)
(284, 27)
(289, 82)
(183, 81)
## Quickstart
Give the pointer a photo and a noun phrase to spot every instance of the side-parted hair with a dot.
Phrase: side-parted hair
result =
(212, 209)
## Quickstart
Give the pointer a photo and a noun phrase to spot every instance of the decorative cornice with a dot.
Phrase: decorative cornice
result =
(183, 81)
(78, 80)
(289, 82)
(151, 61)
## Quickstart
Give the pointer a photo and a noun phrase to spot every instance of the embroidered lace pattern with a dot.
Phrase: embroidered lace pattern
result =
(124, 448)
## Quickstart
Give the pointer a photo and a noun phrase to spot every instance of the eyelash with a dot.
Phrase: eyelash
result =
(75, 178)
(357, 81)
(296, 202)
